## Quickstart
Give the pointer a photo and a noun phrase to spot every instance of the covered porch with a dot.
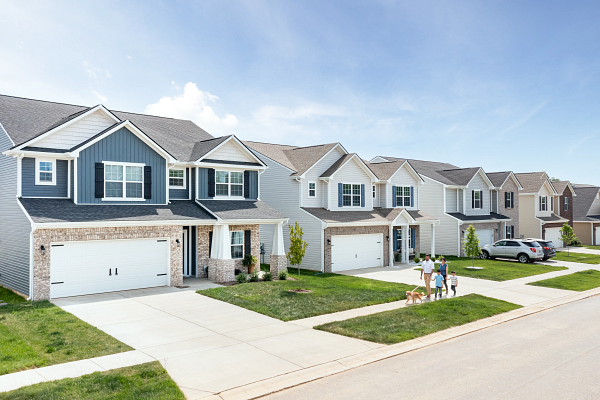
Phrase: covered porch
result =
(405, 231)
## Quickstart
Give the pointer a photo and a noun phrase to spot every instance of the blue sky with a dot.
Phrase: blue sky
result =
(506, 85)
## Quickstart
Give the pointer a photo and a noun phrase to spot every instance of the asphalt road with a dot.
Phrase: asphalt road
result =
(554, 354)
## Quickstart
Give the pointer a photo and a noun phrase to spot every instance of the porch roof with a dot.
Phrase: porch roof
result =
(492, 217)
(376, 216)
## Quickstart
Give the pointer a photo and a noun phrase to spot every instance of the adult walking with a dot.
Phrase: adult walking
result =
(444, 272)
(426, 269)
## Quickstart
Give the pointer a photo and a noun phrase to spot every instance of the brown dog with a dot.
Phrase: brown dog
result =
(414, 296)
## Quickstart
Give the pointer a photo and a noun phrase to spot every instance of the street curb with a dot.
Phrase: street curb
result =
(289, 380)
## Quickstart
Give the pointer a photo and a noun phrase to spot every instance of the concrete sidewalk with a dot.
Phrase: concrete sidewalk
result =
(583, 250)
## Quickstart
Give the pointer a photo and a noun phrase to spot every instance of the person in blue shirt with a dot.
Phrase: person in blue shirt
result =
(444, 271)
(439, 284)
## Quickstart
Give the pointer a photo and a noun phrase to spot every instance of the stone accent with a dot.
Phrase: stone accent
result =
(41, 262)
(203, 249)
(487, 225)
(278, 263)
(512, 213)
(356, 230)
(221, 270)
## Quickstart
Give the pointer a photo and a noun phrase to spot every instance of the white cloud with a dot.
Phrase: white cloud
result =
(103, 99)
(93, 72)
(129, 57)
(193, 105)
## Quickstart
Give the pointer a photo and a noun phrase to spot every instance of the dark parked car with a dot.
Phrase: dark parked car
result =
(548, 246)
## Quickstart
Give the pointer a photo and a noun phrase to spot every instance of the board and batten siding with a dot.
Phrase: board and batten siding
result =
(478, 183)
(30, 189)
(446, 233)
(182, 194)
(313, 176)
(77, 132)
(230, 151)
(451, 200)
(529, 225)
(120, 146)
(15, 228)
(351, 172)
(404, 178)
(282, 193)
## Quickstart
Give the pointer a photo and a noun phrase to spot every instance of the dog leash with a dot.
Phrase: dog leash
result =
(415, 288)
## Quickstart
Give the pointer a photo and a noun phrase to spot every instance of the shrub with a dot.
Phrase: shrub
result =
(241, 278)
(417, 259)
(254, 276)
(282, 275)
(576, 242)
(432, 259)
(267, 277)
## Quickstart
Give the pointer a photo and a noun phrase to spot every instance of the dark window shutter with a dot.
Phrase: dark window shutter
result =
(394, 199)
(413, 240)
(552, 203)
(362, 195)
(247, 243)
(340, 195)
(481, 199)
(247, 184)
(99, 180)
(395, 239)
(147, 182)
(540, 201)
(506, 199)
(211, 182)
(512, 231)
(412, 196)
(210, 244)
(472, 199)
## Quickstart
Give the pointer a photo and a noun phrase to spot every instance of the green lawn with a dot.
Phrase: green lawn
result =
(590, 247)
(578, 281)
(407, 323)
(497, 270)
(331, 293)
(145, 381)
(577, 257)
(38, 334)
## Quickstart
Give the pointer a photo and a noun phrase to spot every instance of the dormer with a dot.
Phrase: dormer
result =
(471, 187)
(398, 184)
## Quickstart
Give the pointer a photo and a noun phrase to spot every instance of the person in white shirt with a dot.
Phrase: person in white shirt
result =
(426, 269)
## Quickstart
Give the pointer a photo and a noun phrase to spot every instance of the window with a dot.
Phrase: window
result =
(566, 203)
(229, 183)
(543, 203)
(477, 199)
(351, 195)
(312, 189)
(237, 244)
(551, 203)
(374, 191)
(123, 181)
(45, 172)
(177, 178)
(509, 200)
(403, 196)
(411, 244)
(510, 232)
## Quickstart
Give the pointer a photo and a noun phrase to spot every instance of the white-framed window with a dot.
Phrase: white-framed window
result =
(123, 181)
(552, 204)
(350, 195)
(229, 183)
(45, 171)
(374, 192)
(477, 199)
(312, 189)
(177, 178)
(543, 203)
(510, 232)
(566, 204)
(509, 201)
(402, 196)
(237, 244)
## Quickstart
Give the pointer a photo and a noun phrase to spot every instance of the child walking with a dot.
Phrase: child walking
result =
(444, 270)
(439, 284)
(453, 282)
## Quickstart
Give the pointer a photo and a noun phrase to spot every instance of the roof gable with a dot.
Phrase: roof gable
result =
(582, 203)
(343, 161)
(532, 182)
(230, 150)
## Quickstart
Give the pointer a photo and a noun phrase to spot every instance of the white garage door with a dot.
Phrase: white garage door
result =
(356, 251)
(99, 266)
(553, 235)
(486, 236)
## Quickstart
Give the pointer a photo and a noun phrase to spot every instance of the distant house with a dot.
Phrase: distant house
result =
(586, 214)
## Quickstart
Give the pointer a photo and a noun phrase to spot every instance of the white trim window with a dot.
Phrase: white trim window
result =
(402, 196)
(477, 199)
(229, 183)
(566, 204)
(350, 195)
(374, 192)
(177, 178)
(45, 171)
(312, 189)
(123, 181)
(543, 203)
(237, 244)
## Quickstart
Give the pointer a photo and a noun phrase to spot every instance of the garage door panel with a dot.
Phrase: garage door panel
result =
(356, 251)
(553, 235)
(486, 236)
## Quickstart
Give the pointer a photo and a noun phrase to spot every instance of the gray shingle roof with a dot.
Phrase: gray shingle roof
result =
(460, 176)
(64, 210)
(553, 218)
(491, 217)
(560, 186)
(385, 170)
(337, 165)
(583, 202)
(531, 182)
(498, 178)
(431, 169)
(376, 216)
(241, 209)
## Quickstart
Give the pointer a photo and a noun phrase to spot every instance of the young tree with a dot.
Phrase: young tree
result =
(567, 236)
(297, 247)
(471, 244)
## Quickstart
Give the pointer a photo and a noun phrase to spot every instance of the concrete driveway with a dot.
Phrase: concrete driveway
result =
(206, 345)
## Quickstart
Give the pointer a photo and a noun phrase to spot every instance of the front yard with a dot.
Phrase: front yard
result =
(497, 270)
(578, 281)
(331, 293)
(577, 257)
(407, 323)
(38, 334)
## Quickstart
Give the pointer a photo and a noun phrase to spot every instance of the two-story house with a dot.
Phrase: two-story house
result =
(538, 218)
(459, 197)
(353, 214)
(95, 200)
(586, 214)
(563, 207)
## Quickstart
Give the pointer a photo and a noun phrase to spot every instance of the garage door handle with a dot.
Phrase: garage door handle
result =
(109, 272)
(116, 271)
(160, 274)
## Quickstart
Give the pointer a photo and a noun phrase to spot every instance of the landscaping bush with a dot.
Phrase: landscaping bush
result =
(576, 242)
(282, 275)
(241, 278)
(267, 277)
(417, 260)
(254, 276)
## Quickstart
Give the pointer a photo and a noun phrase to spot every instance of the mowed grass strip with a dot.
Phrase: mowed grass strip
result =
(145, 381)
(578, 281)
(38, 334)
(577, 257)
(331, 293)
(407, 323)
(497, 270)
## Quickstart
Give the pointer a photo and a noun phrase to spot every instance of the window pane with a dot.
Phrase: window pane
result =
(134, 190)
(45, 166)
(176, 182)
(237, 190)
(222, 190)
(134, 174)
(113, 173)
(237, 251)
(176, 173)
(407, 191)
(237, 177)
(113, 189)
(45, 176)
(347, 201)
(407, 202)
(222, 177)
(356, 201)
(355, 189)
(311, 185)
(237, 237)
(346, 189)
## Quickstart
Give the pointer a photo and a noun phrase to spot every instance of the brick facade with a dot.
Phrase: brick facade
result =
(560, 208)
(512, 213)
(278, 263)
(356, 230)
(495, 226)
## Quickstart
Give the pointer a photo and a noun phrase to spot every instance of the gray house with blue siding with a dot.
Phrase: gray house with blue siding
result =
(95, 200)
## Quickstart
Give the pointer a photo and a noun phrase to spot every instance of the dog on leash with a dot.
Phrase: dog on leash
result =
(414, 296)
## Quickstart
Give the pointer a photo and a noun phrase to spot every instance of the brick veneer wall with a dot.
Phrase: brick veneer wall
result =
(41, 262)
(513, 213)
(560, 210)
(356, 230)
(487, 225)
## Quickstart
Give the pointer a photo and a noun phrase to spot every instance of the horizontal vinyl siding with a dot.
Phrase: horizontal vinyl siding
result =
(182, 194)
(461, 201)
(529, 226)
(377, 199)
(583, 231)
(350, 173)
(230, 151)
(30, 189)
(15, 228)
(404, 178)
(478, 184)
(385, 195)
(77, 132)
(451, 202)
(313, 176)
(543, 192)
(121, 146)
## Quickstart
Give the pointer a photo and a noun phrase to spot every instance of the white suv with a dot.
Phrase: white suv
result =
(523, 250)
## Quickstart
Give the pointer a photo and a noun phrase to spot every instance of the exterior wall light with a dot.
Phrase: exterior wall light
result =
(42, 249)
(178, 242)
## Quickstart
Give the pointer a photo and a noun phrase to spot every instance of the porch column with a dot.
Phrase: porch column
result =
(221, 268)
(391, 246)
(405, 244)
(277, 260)
(432, 240)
